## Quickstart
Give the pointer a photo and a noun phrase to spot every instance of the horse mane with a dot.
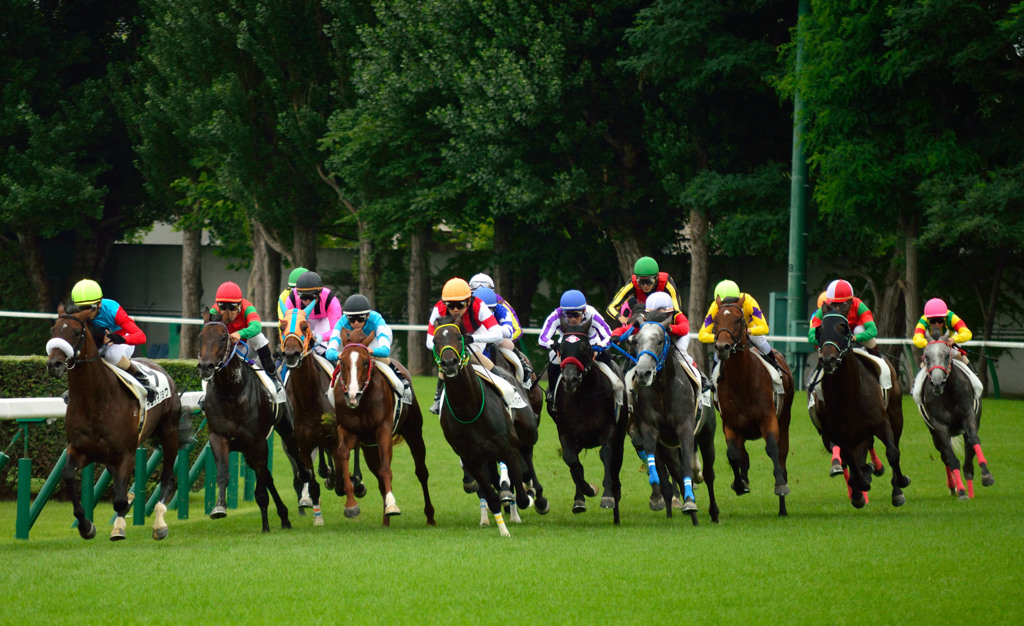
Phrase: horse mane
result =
(355, 336)
(730, 300)
(583, 329)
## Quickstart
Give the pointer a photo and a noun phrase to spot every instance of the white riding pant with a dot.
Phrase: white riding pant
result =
(115, 351)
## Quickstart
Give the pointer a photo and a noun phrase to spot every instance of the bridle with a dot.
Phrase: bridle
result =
(943, 368)
(843, 349)
(71, 352)
(463, 357)
(228, 352)
(304, 338)
(659, 359)
(571, 360)
(738, 344)
(369, 369)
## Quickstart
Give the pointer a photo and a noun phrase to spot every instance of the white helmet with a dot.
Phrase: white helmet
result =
(659, 300)
(481, 280)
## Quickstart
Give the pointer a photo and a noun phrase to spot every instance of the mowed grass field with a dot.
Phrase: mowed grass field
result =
(934, 560)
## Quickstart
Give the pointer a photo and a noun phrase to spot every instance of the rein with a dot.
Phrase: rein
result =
(463, 356)
(73, 358)
(659, 360)
(228, 354)
(369, 368)
(949, 360)
(849, 338)
(734, 345)
(304, 338)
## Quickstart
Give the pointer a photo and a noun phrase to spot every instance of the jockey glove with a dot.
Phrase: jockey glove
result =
(331, 355)
(468, 339)
(115, 338)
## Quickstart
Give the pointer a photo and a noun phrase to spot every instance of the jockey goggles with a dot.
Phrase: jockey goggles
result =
(645, 280)
(309, 295)
(228, 306)
(361, 319)
(458, 305)
(574, 314)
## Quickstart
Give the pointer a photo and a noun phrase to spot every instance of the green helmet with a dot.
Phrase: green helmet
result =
(645, 266)
(727, 289)
(294, 276)
(86, 292)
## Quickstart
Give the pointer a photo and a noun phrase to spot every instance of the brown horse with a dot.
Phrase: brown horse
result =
(364, 405)
(747, 401)
(241, 413)
(858, 409)
(102, 422)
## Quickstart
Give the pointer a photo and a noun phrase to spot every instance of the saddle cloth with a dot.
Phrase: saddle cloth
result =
(157, 379)
(508, 393)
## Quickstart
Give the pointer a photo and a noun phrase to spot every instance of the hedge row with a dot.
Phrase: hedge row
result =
(26, 377)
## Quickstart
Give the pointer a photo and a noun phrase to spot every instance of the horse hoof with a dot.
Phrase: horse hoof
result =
(117, 534)
(318, 520)
(590, 491)
(836, 469)
(740, 488)
(507, 497)
(542, 505)
(391, 510)
(952, 492)
(658, 503)
(579, 506)
(351, 512)
(484, 523)
(963, 495)
(782, 490)
(470, 487)
(305, 503)
(87, 530)
(677, 504)
(898, 499)
(328, 483)
(988, 480)
(359, 489)
(689, 506)
(698, 478)
(607, 502)
(859, 503)
(218, 512)
(505, 486)
(160, 533)
(878, 470)
(903, 482)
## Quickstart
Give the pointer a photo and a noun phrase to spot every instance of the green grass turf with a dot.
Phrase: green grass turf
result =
(934, 560)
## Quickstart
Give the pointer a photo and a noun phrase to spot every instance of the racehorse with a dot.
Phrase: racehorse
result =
(102, 422)
(948, 408)
(858, 409)
(364, 405)
(665, 420)
(534, 395)
(241, 414)
(479, 427)
(749, 406)
(591, 412)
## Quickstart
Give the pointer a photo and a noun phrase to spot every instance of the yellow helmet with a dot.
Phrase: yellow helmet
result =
(456, 289)
(86, 292)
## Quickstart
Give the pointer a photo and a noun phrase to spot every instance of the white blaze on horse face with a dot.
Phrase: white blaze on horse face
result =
(353, 376)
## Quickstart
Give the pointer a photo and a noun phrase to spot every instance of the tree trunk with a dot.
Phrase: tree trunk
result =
(419, 298)
(304, 244)
(367, 264)
(887, 313)
(627, 251)
(263, 279)
(191, 289)
(981, 363)
(699, 265)
(911, 295)
(503, 270)
(35, 271)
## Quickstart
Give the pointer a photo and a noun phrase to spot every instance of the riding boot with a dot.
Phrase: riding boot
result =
(406, 387)
(268, 365)
(142, 378)
(527, 370)
(435, 408)
(770, 357)
(554, 371)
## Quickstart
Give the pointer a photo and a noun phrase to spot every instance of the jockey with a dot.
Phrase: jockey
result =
(646, 279)
(478, 325)
(121, 333)
(510, 329)
(756, 324)
(483, 280)
(323, 310)
(679, 330)
(358, 315)
(572, 310)
(861, 320)
(282, 300)
(244, 324)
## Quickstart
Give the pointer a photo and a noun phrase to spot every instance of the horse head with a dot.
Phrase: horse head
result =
(938, 361)
(576, 354)
(355, 366)
(730, 327)
(296, 337)
(450, 351)
(835, 338)
(214, 346)
(652, 346)
(70, 341)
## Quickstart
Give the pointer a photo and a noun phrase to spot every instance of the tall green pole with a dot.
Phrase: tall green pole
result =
(796, 296)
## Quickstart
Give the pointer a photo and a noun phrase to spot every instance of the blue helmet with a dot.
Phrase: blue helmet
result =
(486, 295)
(573, 299)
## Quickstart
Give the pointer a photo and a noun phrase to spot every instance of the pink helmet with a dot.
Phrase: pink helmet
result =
(935, 308)
(839, 291)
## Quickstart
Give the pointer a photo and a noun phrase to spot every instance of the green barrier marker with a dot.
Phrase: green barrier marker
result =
(210, 481)
(183, 483)
(232, 495)
(24, 498)
(44, 493)
(88, 501)
(139, 505)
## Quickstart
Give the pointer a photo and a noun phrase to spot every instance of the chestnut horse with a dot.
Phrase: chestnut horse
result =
(241, 414)
(102, 422)
(747, 401)
(858, 409)
(479, 427)
(948, 408)
(364, 408)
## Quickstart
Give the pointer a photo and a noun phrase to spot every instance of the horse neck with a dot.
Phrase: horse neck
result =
(846, 380)
(92, 382)
(467, 390)
(742, 364)
(232, 379)
(307, 385)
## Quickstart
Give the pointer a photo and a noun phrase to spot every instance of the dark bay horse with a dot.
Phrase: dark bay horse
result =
(534, 395)
(364, 407)
(241, 413)
(479, 427)
(747, 400)
(858, 409)
(949, 410)
(102, 422)
(591, 413)
(665, 417)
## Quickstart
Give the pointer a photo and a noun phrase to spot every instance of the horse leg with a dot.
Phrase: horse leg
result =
(892, 454)
(571, 457)
(681, 466)
(260, 493)
(942, 442)
(356, 476)
(219, 448)
(530, 473)
(488, 494)
(300, 476)
(412, 432)
(282, 509)
(86, 529)
(705, 440)
(168, 484)
(384, 474)
(972, 446)
(122, 473)
(735, 451)
(856, 485)
(346, 442)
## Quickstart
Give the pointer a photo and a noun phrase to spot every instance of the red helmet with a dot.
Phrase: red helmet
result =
(839, 291)
(229, 292)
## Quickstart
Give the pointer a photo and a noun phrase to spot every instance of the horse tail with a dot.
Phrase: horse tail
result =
(958, 445)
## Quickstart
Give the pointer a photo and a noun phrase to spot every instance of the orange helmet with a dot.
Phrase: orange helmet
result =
(822, 299)
(229, 292)
(456, 289)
